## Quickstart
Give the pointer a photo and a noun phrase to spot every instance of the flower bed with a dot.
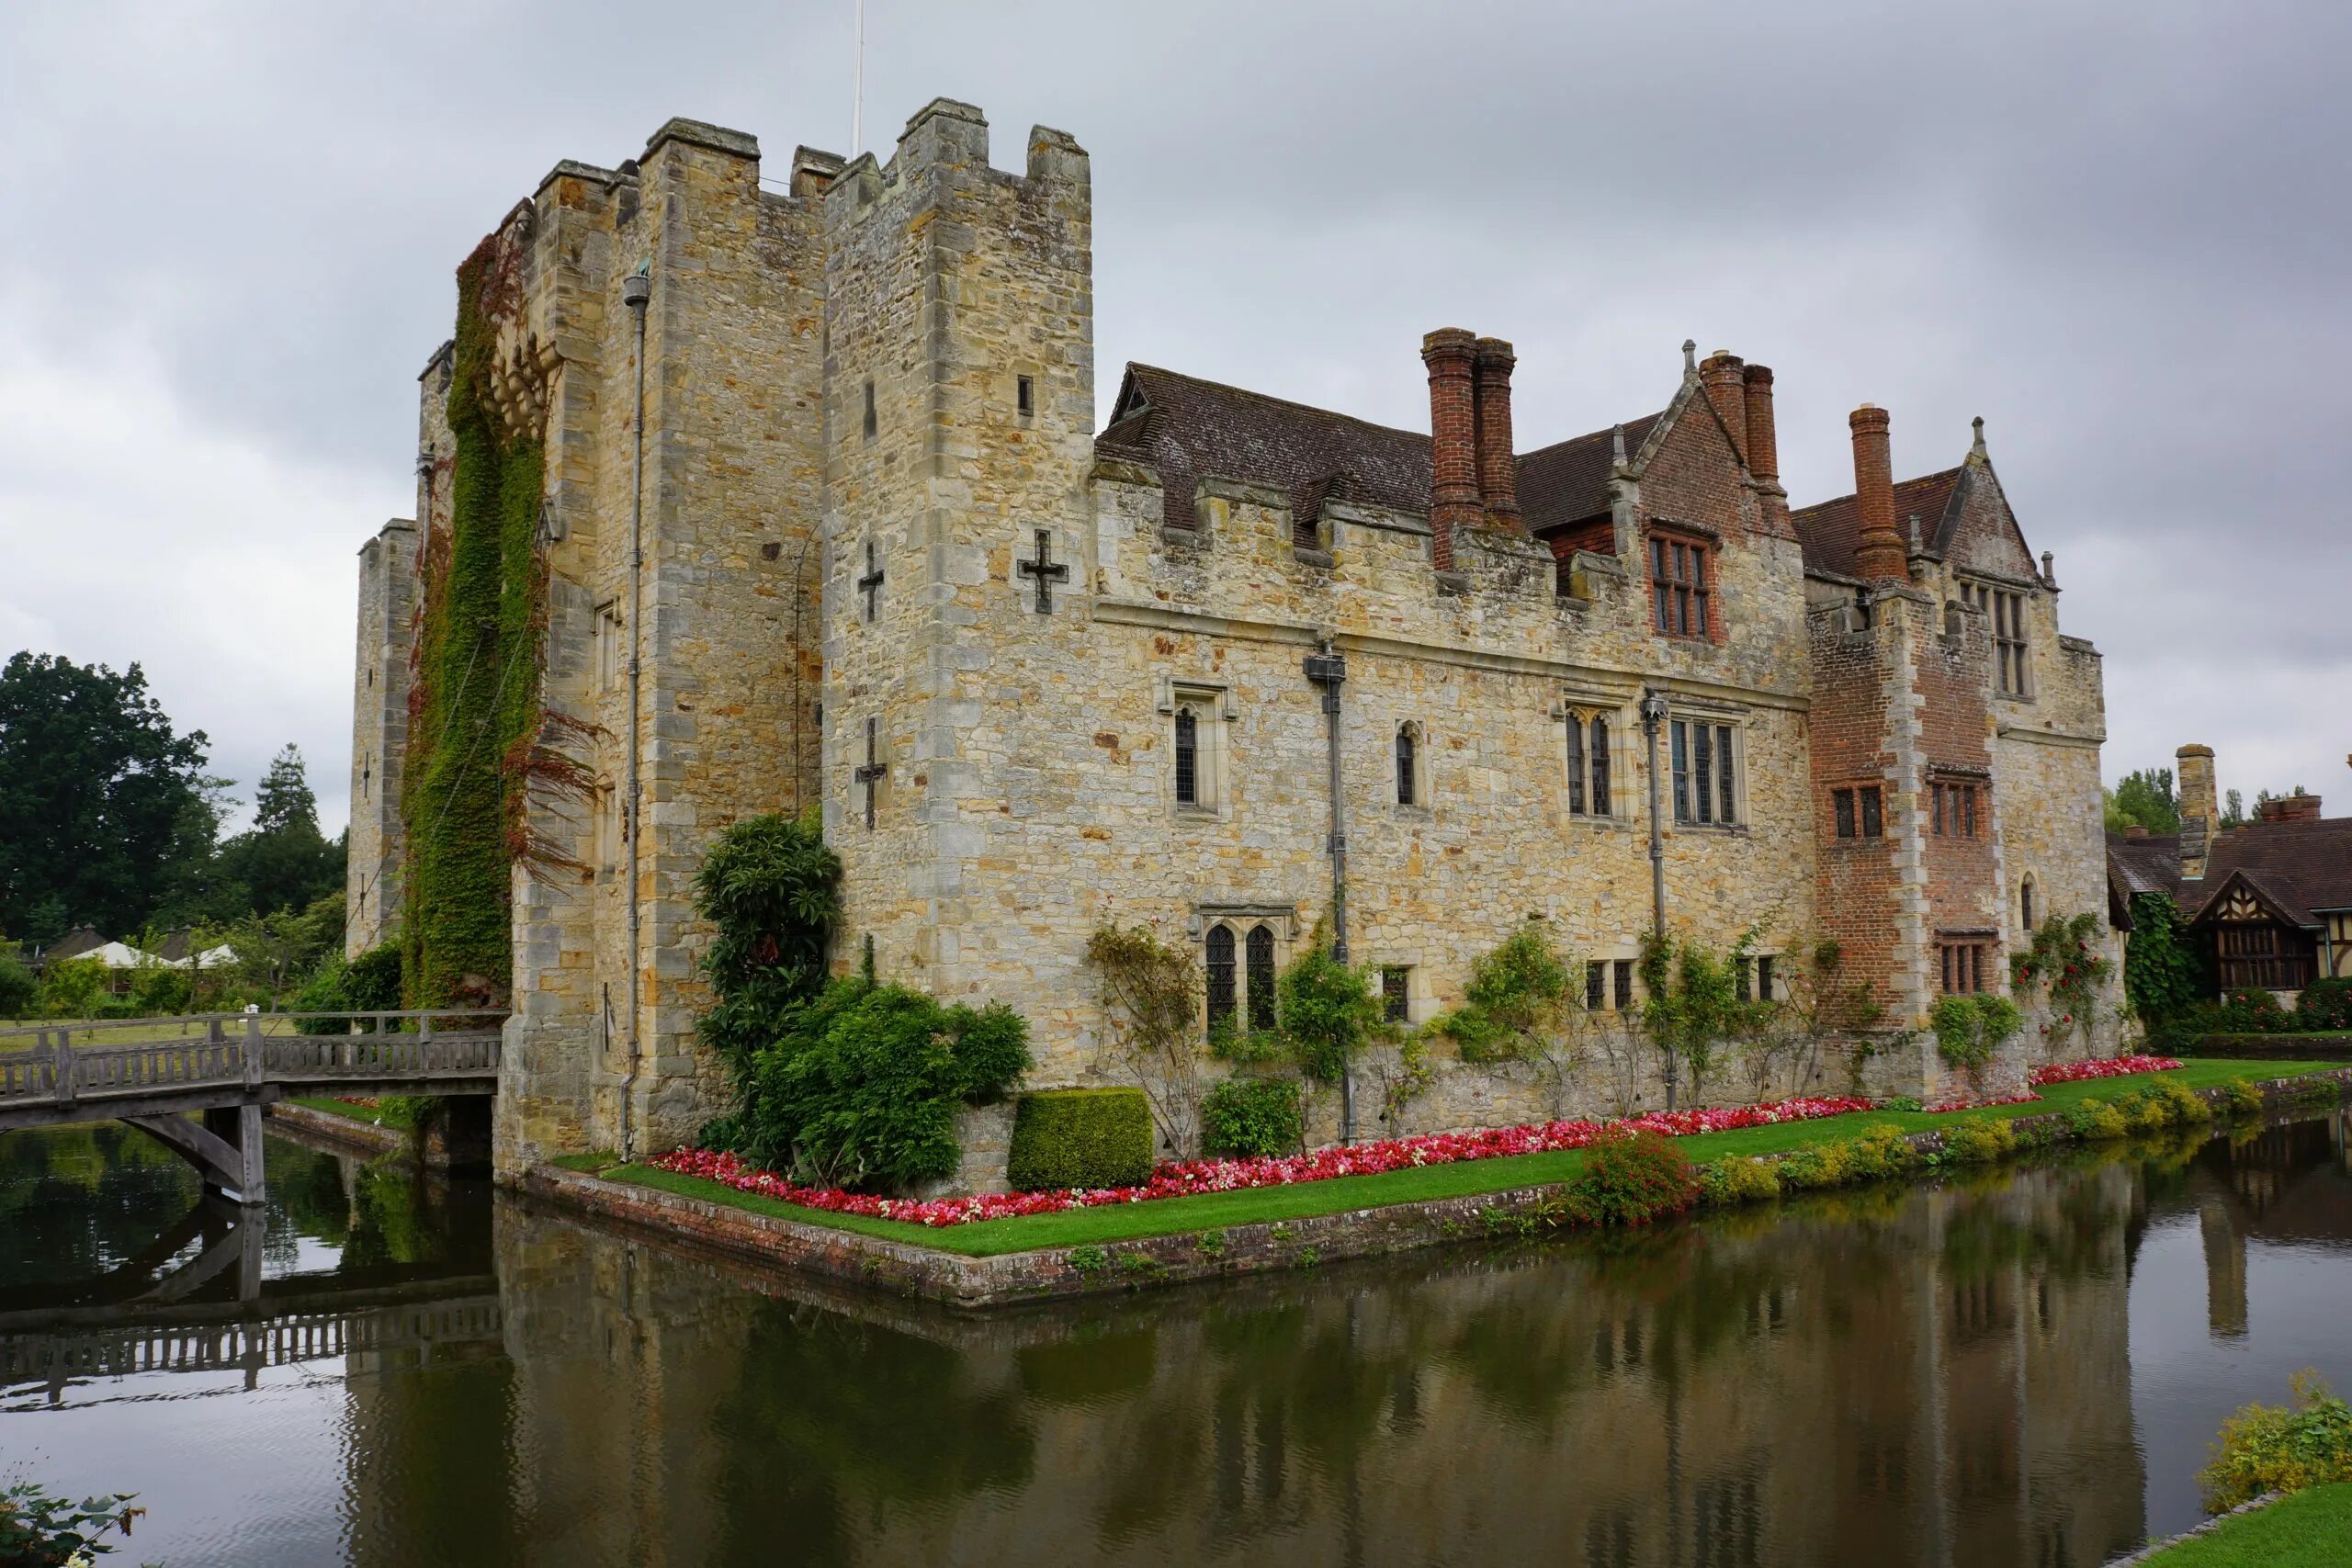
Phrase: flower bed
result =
(2110, 1067)
(1185, 1178)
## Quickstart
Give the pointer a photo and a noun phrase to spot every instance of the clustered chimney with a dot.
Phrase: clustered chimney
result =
(1473, 473)
(1722, 373)
(2289, 808)
(2200, 813)
(1879, 553)
(1497, 466)
(1452, 356)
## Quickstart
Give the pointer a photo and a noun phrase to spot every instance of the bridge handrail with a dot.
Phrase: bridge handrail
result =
(57, 1071)
(69, 1027)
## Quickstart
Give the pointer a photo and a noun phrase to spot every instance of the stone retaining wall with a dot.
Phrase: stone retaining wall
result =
(1010, 1278)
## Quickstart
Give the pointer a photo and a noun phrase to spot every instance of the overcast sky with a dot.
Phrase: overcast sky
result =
(2118, 232)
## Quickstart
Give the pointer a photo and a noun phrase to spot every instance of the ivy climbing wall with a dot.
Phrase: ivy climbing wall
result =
(474, 704)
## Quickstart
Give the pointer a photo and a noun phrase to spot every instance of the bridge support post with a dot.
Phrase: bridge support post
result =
(237, 1127)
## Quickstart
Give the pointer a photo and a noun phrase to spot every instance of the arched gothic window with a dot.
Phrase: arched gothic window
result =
(1188, 767)
(1406, 794)
(1221, 990)
(2025, 904)
(1262, 978)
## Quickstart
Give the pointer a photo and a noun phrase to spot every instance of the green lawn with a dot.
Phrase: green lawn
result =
(2310, 1529)
(89, 1032)
(1166, 1217)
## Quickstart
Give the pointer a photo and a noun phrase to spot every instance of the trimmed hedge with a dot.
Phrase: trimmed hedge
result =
(1247, 1117)
(1081, 1137)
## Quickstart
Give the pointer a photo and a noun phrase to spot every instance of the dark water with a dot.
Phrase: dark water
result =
(2020, 1368)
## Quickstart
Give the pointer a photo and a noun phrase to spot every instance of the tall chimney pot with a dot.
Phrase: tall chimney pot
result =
(1452, 354)
(1722, 373)
(1497, 466)
(1763, 442)
(1879, 555)
(2200, 813)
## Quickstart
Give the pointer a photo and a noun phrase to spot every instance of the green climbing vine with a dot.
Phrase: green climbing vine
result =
(1970, 1028)
(2064, 959)
(474, 713)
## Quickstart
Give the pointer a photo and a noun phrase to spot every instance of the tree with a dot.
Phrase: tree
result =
(2144, 798)
(17, 985)
(100, 802)
(2233, 811)
(283, 862)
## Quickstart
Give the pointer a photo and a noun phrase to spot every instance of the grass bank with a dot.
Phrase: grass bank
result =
(1215, 1210)
(2308, 1529)
(394, 1113)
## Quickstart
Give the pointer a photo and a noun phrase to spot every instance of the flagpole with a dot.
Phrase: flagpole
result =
(857, 92)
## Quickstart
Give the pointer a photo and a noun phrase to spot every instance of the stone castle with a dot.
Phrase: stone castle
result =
(866, 550)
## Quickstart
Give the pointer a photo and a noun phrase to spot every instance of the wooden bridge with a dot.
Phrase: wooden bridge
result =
(234, 1068)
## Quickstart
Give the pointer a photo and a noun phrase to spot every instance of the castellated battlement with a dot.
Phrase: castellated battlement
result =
(951, 139)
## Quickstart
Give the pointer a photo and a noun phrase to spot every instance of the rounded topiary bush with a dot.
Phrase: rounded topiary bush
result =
(1081, 1137)
(1246, 1118)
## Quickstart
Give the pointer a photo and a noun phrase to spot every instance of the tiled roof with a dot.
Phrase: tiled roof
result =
(1831, 529)
(1569, 482)
(74, 944)
(1188, 428)
(2145, 866)
(2302, 867)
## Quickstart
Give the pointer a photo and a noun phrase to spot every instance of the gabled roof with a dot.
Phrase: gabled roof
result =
(1568, 481)
(1831, 530)
(2301, 869)
(1188, 428)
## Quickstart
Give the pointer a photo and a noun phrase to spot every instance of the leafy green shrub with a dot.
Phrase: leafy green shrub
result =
(2325, 1004)
(2094, 1121)
(159, 992)
(2184, 1107)
(1726, 1182)
(2240, 1098)
(862, 1089)
(1968, 1029)
(1979, 1143)
(1879, 1154)
(1246, 1047)
(2246, 1011)
(2268, 1448)
(1081, 1137)
(1631, 1179)
(71, 988)
(1327, 1010)
(324, 991)
(371, 982)
(770, 890)
(17, 984)
(1247, 1117)
(1511, 993)
(1816, 1166)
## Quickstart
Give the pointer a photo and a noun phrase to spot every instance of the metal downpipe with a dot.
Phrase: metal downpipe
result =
(636, 291)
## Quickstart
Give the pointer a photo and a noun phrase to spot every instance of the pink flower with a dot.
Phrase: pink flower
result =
(2078, 1072)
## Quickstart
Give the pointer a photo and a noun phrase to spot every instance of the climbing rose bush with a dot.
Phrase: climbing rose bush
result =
(2111, 1067)
(1187, 1178)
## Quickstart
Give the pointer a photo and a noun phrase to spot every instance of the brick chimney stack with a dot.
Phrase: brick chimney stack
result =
(2200, 812)
(1452, 356)
(1722, 374)
(2289, 808)
(1497, 466)
(1879, 554)
(1763, 442)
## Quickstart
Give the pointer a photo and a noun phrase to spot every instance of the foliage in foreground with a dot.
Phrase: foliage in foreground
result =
(1631, 1179)
(1514, 999)
(38, 1530)
(2270, 1448)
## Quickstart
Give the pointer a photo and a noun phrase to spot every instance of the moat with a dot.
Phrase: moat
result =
(2019, 1366)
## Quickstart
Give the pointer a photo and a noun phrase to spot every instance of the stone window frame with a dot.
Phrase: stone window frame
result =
(1582, 708)
(1423, 803)
(1968, 963)
(1621, 981)
(1024, 395)
(1760, 975)
(1960, 804)
(2003, 603)
(2028, 898)
(1715, 720)
(606, 666)
(1215, 712)
(1239, 920)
